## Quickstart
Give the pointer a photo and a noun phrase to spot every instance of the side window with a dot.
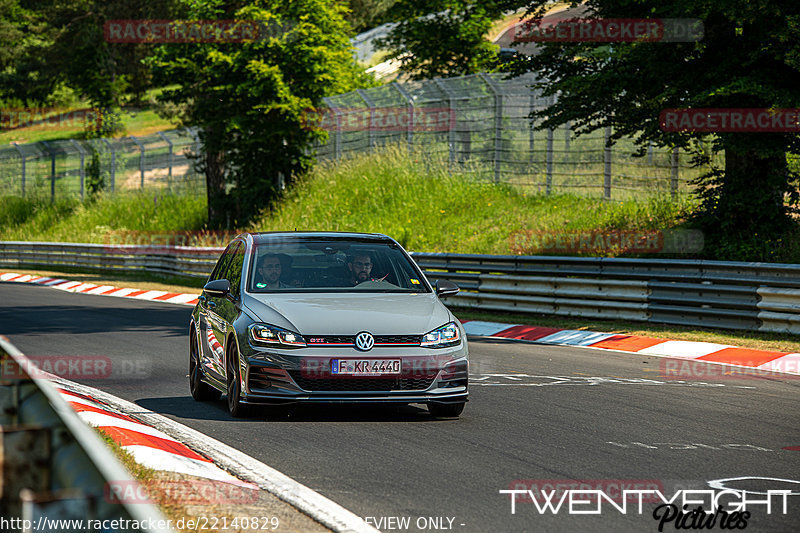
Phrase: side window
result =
(222, 263)
(233, 272)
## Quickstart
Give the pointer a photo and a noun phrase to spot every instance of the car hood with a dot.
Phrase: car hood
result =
(347, 314)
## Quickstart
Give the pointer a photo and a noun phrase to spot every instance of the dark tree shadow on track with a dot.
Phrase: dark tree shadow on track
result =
(185, 407)
(96, 315)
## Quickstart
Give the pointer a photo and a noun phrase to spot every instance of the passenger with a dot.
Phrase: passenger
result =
(269, 273)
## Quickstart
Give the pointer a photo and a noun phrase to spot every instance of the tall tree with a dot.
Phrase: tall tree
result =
(250, 99)
(444, 37)
(26, 77)
(46, 43)
(749, 57)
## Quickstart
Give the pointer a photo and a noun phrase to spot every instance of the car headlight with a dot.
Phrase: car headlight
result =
(266, 334)
(442, 337)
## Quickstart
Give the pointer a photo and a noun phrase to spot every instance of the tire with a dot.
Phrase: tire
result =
(235, 406)
(445, 410)
(201, 391)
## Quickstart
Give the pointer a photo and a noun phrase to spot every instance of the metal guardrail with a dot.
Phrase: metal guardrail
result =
(749, 296)
(52, 466)
(185, 261)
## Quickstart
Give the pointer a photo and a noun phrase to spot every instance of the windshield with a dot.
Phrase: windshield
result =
(282, 264)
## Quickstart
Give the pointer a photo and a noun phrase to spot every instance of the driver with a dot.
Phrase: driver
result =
(360, 267)
(269, 273)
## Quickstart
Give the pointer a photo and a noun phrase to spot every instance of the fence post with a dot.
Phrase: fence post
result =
(567, 132)
(52, 170)
(169, 155)
(410, 105)
(607, 162)
(113, 162)
(649, 152)
(141, 159)
(674, 181)
(451, 139)
(81, 151)
(498, 123)
(337, 143)
(22, 156)
(371, 127)
(548, 187)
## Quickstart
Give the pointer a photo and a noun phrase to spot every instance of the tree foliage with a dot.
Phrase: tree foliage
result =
(45, 44)
(749, 57)
(444, 37)
(250, 100)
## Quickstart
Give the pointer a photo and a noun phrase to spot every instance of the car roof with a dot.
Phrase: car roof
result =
(321, 235)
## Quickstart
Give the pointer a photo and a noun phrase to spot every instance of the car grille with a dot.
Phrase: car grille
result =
(398, 339)
(323, 340)
(359, 383)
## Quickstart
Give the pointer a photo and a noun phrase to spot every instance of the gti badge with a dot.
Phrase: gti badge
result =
(364, 341)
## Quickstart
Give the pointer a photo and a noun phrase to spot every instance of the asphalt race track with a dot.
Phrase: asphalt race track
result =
(537, 413)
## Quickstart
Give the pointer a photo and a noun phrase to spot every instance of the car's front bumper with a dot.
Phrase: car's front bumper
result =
(439, 376)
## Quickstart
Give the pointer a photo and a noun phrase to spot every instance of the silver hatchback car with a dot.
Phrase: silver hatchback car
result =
(327, 318)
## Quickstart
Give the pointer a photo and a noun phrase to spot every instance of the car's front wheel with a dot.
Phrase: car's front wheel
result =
(201, 391)
(446, 410)
(235, 405)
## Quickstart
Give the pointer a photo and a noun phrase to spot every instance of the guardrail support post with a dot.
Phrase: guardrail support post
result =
(22, 156)
(141, 158)
(607, 162)
(81, 151)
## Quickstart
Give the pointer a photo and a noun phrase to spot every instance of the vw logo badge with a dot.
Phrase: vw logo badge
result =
(365, 341)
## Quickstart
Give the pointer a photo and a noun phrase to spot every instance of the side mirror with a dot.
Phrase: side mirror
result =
(219, 288)
(446, 288)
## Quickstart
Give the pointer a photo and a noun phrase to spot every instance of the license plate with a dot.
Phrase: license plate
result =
(365, 367)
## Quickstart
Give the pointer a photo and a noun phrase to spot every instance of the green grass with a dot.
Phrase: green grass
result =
(98, 220)
(427, 208)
